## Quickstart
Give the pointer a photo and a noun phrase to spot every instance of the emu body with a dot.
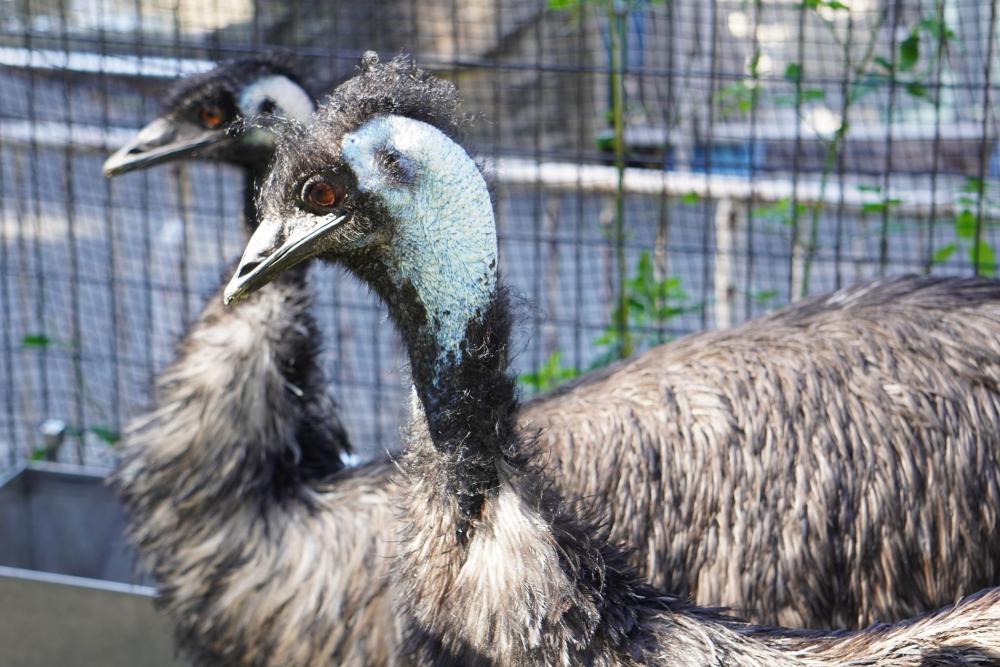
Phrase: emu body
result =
(833, 464)
(492, 567)
(222, 477)
(723, 488)
(212, 543)
(746, 446)
(264, 550)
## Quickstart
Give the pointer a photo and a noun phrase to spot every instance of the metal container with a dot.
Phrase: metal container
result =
(70, 592)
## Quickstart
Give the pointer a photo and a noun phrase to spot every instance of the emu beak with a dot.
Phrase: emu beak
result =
(160, 141)
(272, 249)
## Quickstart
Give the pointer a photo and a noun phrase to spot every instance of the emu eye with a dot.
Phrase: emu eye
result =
(321, 194)
(211, 116)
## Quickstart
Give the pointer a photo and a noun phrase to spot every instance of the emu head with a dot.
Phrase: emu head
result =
(224, 114)
(380, 183)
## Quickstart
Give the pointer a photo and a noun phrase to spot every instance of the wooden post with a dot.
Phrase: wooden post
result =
(730, 262)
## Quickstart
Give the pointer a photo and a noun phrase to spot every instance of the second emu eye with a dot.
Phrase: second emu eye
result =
(211, 116)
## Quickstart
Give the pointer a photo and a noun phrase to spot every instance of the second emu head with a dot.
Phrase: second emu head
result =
(206, 116)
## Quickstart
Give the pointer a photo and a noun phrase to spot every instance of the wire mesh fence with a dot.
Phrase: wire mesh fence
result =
(658, 167)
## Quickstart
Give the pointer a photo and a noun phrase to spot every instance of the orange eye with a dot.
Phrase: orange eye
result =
(211, 117)
(322, 193)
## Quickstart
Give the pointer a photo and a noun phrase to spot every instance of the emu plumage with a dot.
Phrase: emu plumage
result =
(493, 569)
(196, 471)
(832, 464)
(659, 477)
(263, 553)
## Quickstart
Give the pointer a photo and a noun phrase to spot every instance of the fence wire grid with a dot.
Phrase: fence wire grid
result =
(766, 150)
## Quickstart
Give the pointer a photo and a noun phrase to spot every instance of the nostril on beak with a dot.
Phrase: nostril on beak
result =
(248, 268)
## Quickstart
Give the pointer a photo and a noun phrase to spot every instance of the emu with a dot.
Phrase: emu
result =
(492, 568)
(243, 428)
(656, 470)
(206, 116)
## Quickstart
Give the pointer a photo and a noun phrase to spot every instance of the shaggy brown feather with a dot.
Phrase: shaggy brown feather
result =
(660, 480)
(187, 450)
(255, 539)
(530, 583)
(514, 578)
(749, 466)
(833, 464)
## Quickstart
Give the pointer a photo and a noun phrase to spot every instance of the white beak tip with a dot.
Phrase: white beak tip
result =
(233, 296)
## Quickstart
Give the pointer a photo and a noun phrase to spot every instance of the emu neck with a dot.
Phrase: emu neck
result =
(435, 265)
(464, 388)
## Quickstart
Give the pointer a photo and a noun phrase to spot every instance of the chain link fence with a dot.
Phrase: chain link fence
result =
(659, 167)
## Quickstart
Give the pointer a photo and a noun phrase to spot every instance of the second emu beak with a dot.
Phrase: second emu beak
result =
(161, 140)
(271, 250)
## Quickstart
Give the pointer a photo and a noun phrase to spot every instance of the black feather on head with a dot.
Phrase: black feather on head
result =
(397, 87)
(222, 82)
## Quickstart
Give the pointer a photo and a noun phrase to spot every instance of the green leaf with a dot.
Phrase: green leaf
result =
(909, 51)
(813, 94)
(39, 454)
(563, 5)
(883, 63)
(691, 197)
(551, 374)
(793, 72)
(879, 206)
(609, 337)
(606, 143)
(36, 340)
(777, 209)
(944, 253)
(938, 30)
(669, 312)
(965, 224)
(765, 295)
(737, 96)
(869, 188)
(108, 435)
(645, 269)
(650, 304)
(867, 84)
(916, 89)
(974, 185)
(824, 4)
(987, 258)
